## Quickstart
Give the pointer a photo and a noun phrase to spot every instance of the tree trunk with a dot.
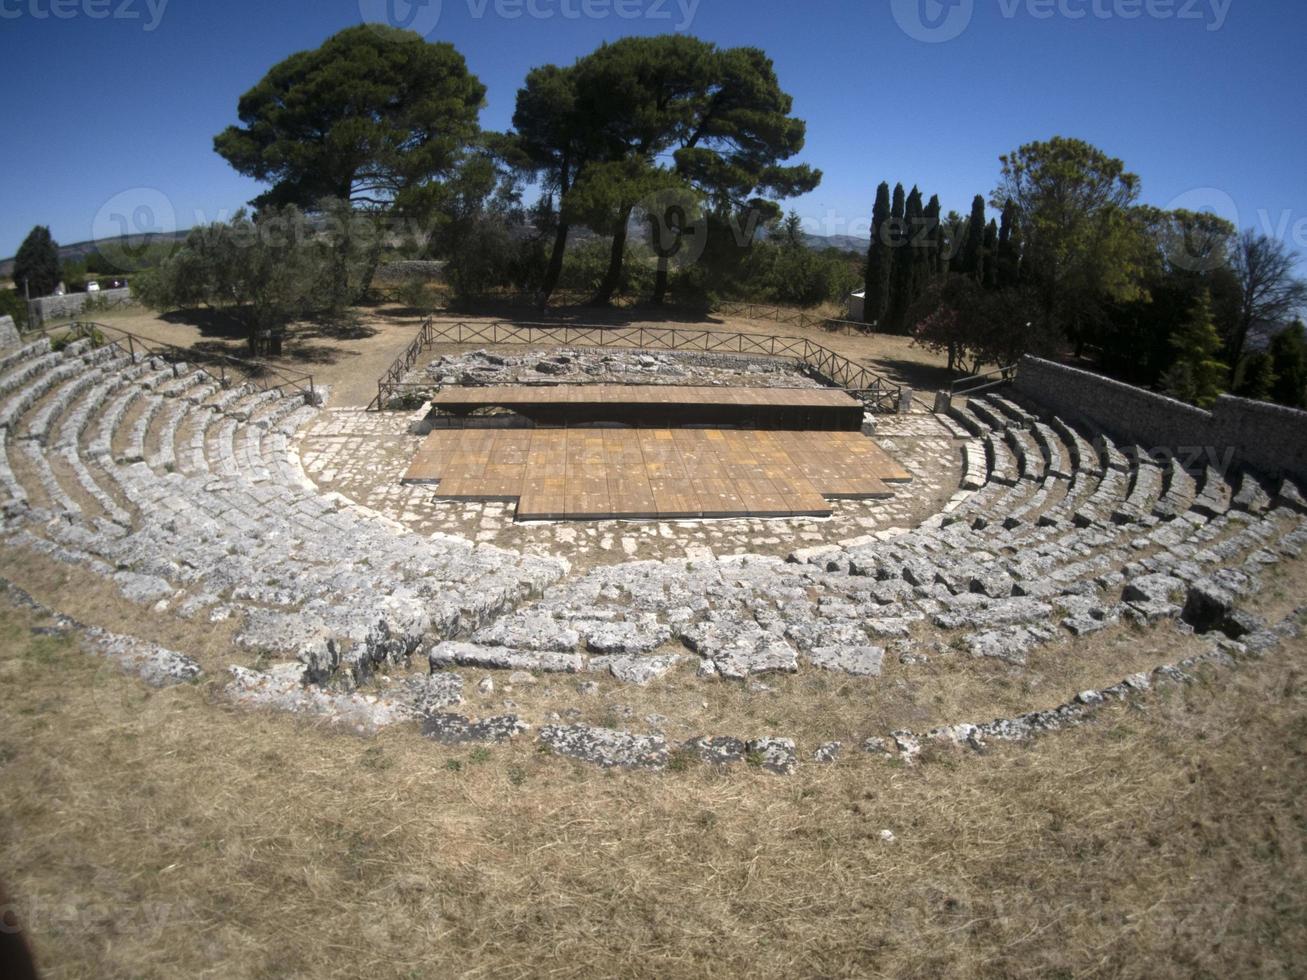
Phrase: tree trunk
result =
(555, 267)
(613, 277)
(369, 271)
(660, 281)
(1240, 340)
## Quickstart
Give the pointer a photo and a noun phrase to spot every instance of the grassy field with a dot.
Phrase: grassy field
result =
(156, 834)
(167, 834)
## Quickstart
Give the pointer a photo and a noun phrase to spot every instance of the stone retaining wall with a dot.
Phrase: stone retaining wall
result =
(1270, 439)
(55, 307)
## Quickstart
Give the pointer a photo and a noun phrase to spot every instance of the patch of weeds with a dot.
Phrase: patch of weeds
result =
(706, 819)
(940, 756)
(374, 757)
(754, 759)
(45, 650)
(478, 755)
(453, 765)
(406, 403)
(63, 340)
(516, 775)
(681, 760)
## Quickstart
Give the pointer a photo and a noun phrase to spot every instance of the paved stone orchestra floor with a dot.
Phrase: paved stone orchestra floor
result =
(364, 456)
(650, 474)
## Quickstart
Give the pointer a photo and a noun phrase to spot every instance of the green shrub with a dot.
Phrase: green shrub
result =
(12, 304)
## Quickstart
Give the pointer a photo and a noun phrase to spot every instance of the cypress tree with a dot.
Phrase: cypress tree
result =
(904, 274)
(955, 229)
(36, 266)
(894, 235)
(1198, 374)
(1256, 377)
(975, 241)
(1009, 247)
(989, 258)
(878, 259)
(934, 237)
(896, 216)
(1289, 363)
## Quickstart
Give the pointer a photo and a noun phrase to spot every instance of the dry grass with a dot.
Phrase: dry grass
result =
(167, 834)
(155, 834)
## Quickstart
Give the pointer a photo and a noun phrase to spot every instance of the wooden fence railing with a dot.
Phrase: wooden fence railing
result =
(874, 391)
(792, 317)
(228, 370)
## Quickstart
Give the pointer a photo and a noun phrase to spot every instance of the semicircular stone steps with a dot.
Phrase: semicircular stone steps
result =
(308, 575)
(189, 497)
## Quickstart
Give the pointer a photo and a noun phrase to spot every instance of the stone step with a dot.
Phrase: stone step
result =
(1012, 410)
(1214, 498)
(992, 418)
(962, 415)
(1003, 467)
(1181, 488)
(28, 352)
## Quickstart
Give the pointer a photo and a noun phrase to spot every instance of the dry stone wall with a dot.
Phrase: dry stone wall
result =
(54, 307)
(1270, 439)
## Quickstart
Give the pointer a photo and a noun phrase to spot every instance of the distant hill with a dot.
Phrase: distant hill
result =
(845, 243)
(81, 250)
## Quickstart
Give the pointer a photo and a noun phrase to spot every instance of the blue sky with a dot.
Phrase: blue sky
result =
(114, 103)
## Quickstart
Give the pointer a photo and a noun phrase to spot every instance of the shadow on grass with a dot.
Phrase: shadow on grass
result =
(210, 323)
(916, 375)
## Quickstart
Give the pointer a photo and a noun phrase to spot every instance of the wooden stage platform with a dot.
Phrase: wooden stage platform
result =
(595, 473)
(662, 406)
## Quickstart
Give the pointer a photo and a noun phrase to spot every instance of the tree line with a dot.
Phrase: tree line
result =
(674, 155)
(1165, 299)
(669, 134)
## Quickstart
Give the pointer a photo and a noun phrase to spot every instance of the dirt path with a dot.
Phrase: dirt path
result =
(350, 358)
